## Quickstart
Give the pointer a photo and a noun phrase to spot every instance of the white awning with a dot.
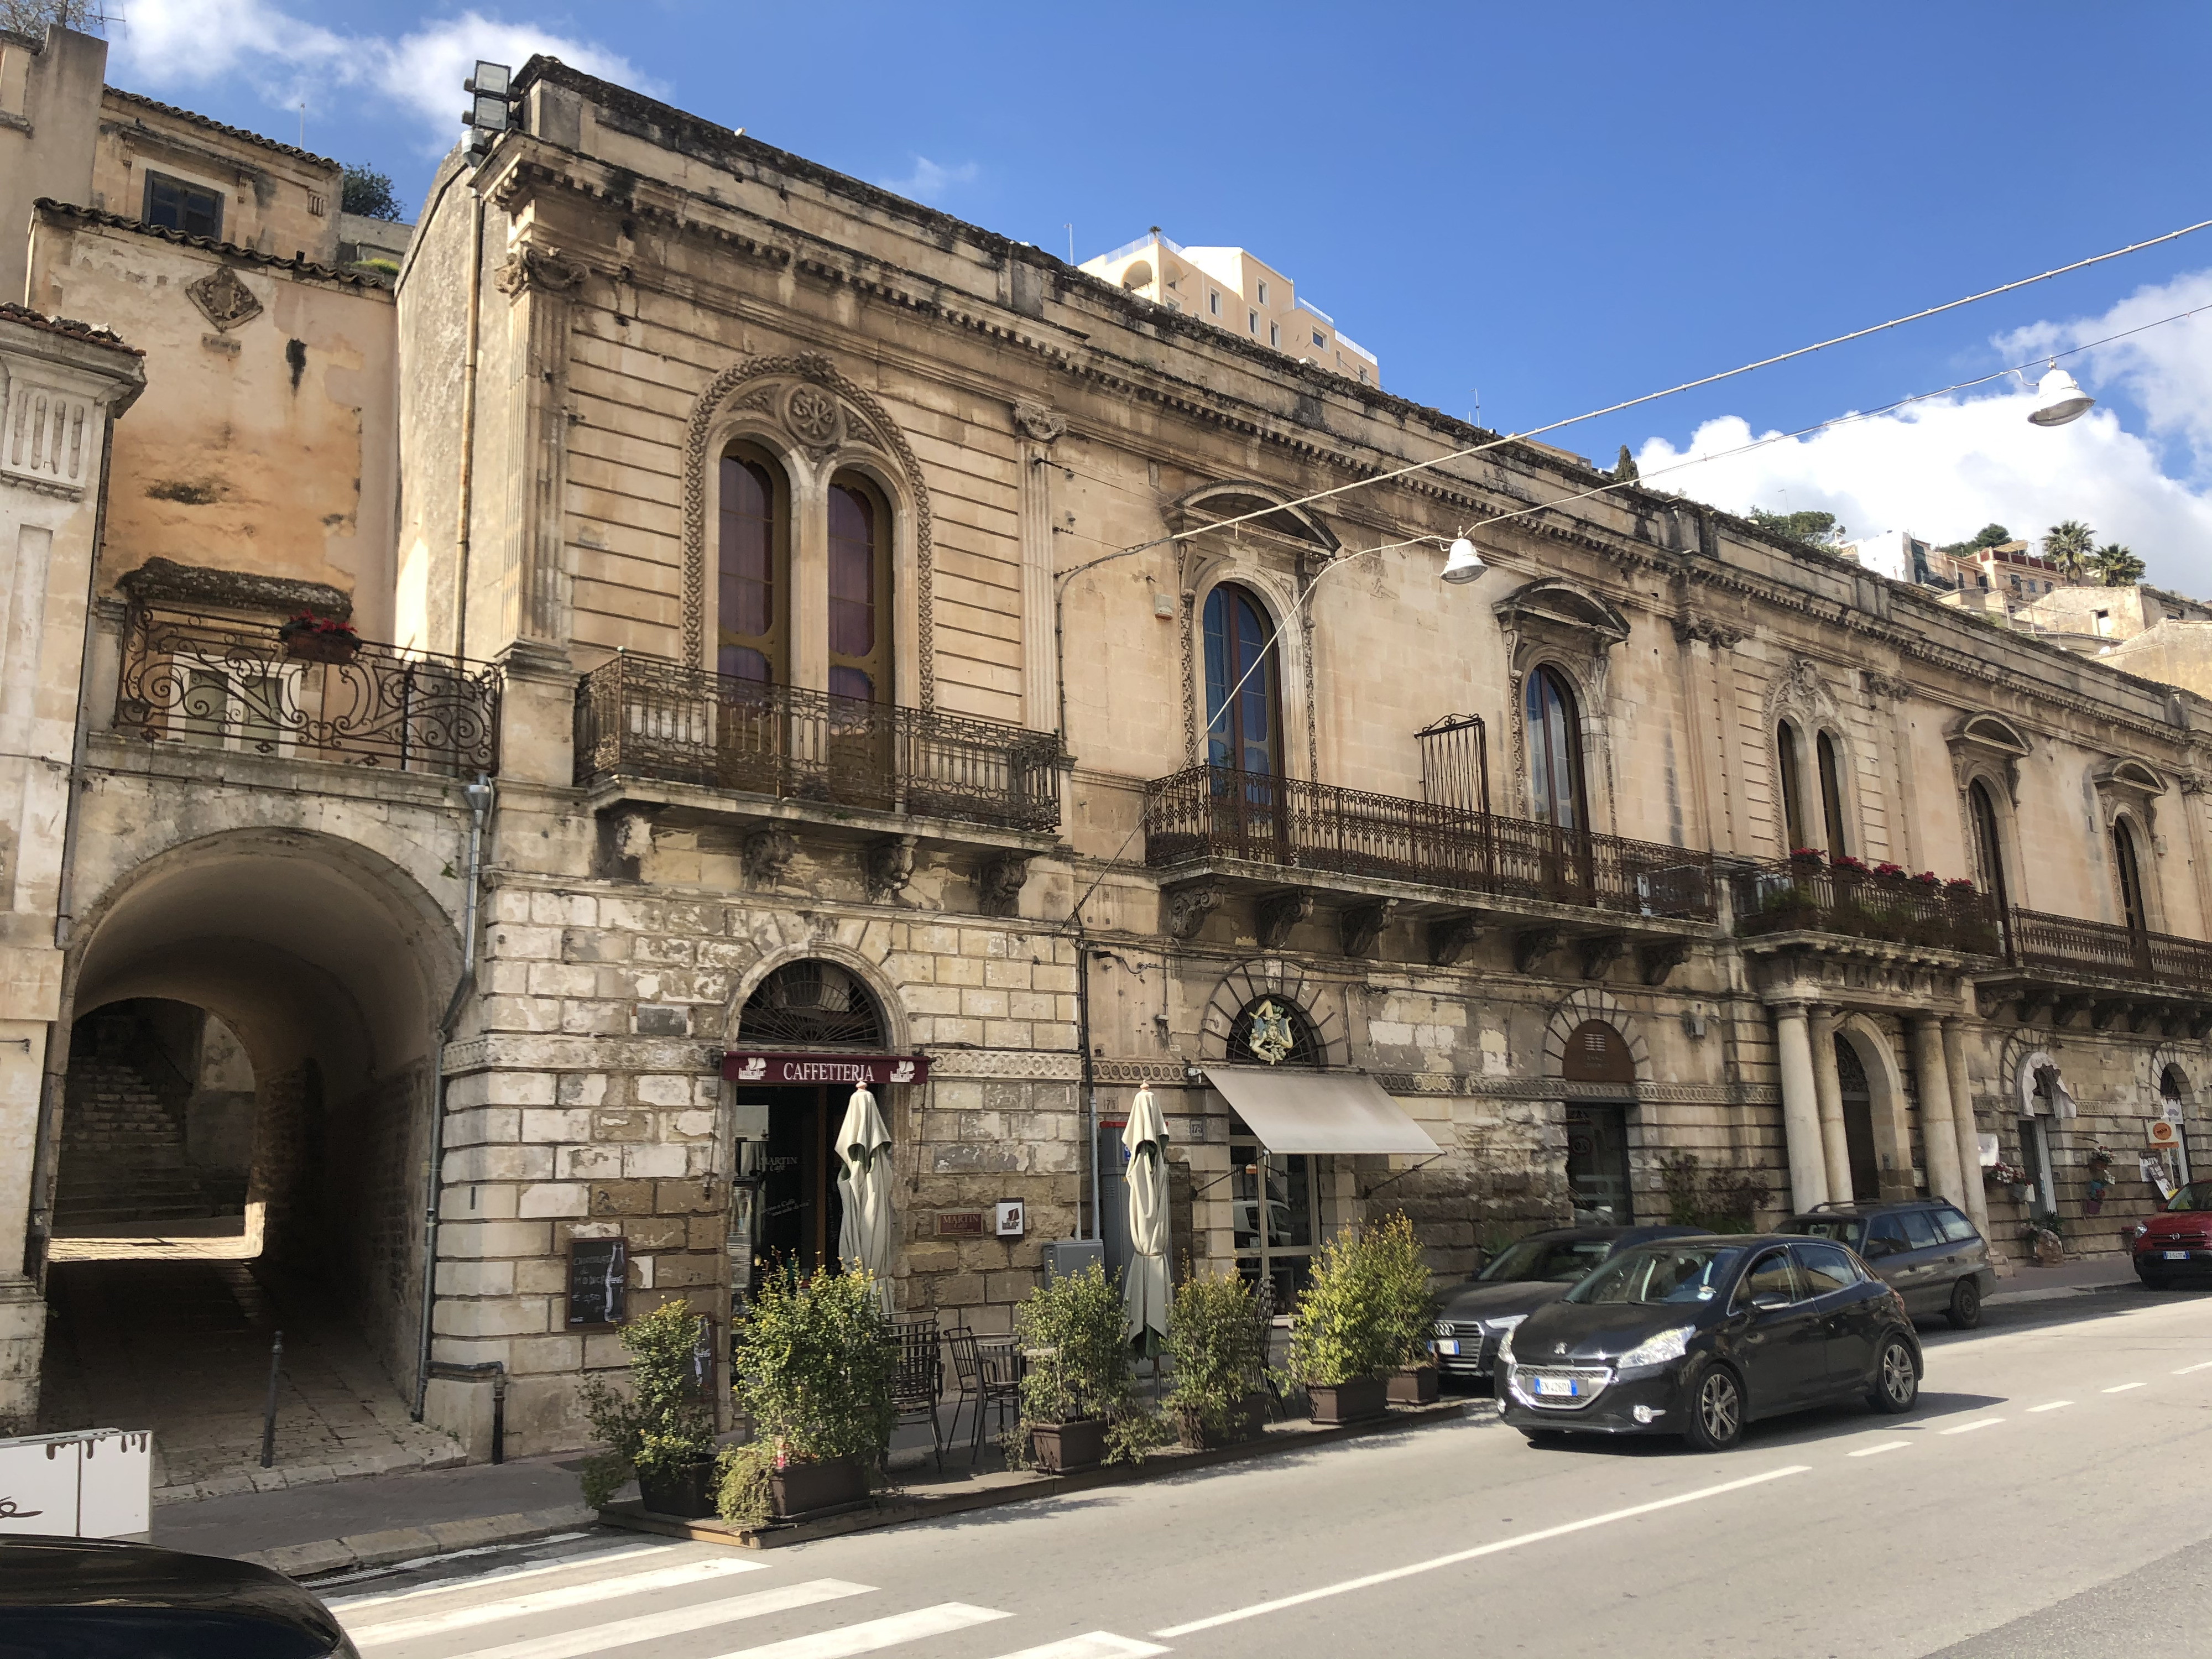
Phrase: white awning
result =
(1319, 1112)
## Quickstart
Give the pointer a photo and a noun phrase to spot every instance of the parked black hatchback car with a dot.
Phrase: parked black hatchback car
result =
(87, 1598)
(1923, 1249)
(1700, 1336)
(1472, 1320)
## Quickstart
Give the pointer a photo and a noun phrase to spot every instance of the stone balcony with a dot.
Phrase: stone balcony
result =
(1285, 845)
(2062, 968)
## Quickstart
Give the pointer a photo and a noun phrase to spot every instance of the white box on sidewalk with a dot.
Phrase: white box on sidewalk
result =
(97, 1483)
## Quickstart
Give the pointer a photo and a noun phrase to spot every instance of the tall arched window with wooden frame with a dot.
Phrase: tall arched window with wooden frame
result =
(2131, 874)
(1989, 845)
(1555, 729)
(1832, 795)
(752, 594)
(1789, 768)
(1244, 689)
(860, 590)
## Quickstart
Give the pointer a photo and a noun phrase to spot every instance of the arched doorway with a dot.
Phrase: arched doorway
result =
(1858, 1090)
(809, 1006)
(1275, 1197)
(2173, 1107)
(1597, 1130)
(312, 970)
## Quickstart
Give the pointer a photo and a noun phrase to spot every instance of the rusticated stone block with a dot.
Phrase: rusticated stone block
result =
(687, 1198)
(624, 1198)
(656, 1233)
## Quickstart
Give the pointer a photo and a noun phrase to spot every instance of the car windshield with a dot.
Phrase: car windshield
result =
(1551, 1260)
(1661, 1272)
(1843, 1229)
(2196, 1195)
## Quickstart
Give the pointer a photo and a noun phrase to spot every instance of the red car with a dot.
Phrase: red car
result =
(2176, 1242)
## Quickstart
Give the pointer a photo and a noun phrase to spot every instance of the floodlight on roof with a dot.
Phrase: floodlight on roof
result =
(493, 78)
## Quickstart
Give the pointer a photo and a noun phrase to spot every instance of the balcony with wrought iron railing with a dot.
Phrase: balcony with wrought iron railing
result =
(253, 688)
(646, 718)
(2068, 949)
(1213, 816)
(1883, 906)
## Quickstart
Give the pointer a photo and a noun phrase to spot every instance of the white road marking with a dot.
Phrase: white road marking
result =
(2185, 1370)
(1968, 1428)
(2049, 1405)
(1480, 1550)
(1876, 1451)
(681, 1576)
(656, 1626)
(343, 1605)
(878, 1633)
(2122, 1388)
(1098, 1645)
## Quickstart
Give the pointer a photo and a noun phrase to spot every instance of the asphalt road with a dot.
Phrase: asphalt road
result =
(2047, 1498)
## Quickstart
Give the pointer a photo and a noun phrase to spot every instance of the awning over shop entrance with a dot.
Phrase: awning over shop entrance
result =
(1319, 1112)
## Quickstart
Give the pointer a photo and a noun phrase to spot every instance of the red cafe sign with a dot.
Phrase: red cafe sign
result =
(741, 1066)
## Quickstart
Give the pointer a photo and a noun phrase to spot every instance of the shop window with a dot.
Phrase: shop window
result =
(173, 204)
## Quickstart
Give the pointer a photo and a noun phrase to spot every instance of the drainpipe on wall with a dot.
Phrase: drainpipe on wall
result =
(1089, 1083)
(464, 492)
(480, 798)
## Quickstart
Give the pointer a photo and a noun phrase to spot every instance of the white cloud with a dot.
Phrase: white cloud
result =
(1944, 468)
(167, 43)
(929, 182)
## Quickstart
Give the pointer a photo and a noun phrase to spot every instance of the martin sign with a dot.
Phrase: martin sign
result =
(873, 1070)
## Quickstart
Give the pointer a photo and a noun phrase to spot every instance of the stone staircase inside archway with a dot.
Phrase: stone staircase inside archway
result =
(123, 1159)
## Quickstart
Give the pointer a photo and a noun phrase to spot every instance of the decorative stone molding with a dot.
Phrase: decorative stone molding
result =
(1360, 924)
(1887, 687)
(1600, 951)
(1452, 940)
(1158, 1073)
(888, 866)
(538, 268)
(1009, 1063)
(765, 853)
(197, 587)
(1984, 744)
(1277, 913)
(823, 415)
(1186, 906)
(998, 883)
(50, 436)
(1039, 424)
(1690, 626)
(1579, 1008)
(1655, 963)
(1285, 981)
(1532, 944)
(224, 299)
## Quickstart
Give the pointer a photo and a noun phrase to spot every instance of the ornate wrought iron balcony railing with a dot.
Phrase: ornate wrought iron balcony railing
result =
(1208, 812)
(2061, 945)
(1802, 896)
(649, 718)
(226, 684)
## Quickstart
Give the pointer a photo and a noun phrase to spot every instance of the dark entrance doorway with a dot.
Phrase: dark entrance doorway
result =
(1597, 1130)
(798, 1211)
(1858, 1122)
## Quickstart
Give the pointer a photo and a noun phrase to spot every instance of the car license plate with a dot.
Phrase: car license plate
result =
(2176, 1255)
(1564, 1388)
(1448, 1345)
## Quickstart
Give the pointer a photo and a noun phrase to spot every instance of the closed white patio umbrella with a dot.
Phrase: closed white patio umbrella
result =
(863, 1148)
(1144, 1285)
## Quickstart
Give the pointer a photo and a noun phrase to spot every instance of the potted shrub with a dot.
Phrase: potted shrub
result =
(813, 1364)
(1219, 1359)
(310, 638)
(1408, 1309)
(1077, 1384)
(1341, 1349)
(661, 1431)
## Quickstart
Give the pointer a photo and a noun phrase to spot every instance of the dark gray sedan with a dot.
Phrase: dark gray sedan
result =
(1524, 1276)
(1923, 1249)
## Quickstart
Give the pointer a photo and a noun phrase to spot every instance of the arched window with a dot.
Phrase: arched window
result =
(1243, 731)
(1832, 796)
(2172, 1085)
(812, 1003)
(753, 569)
(2131, 894)
(1989, 848)
(1555, 753)
(1793, 786)
(1596, 1053)
(859, 594)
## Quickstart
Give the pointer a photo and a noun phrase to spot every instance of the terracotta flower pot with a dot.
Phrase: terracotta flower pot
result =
(1350, 1402)
(686, 1491)
(1414, 1385)
(1068, 1448)
(798, 1489)
(309, 645)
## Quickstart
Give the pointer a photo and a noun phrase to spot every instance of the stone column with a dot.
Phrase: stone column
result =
(1939, 1136)
(1038, 428)
(1828, 1090)
(1977, 1201)
(539, 282)
(1801, 1110)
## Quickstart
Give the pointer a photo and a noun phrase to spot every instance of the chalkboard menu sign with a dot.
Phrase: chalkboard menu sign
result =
(596, 1268)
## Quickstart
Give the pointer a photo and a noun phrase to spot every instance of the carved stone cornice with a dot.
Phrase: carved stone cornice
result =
(1452, 940)
(998, 883)
(1038, 424)
(538, 268)
(1690, 625)
(1184, 909)
(1885, 686)
(1277, 913)
(1361, 925)
(164, 581)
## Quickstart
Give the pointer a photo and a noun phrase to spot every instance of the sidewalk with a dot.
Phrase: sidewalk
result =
(2027, 1283)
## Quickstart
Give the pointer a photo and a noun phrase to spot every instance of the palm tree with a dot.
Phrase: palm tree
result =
(2116, 567)
(2067, 545)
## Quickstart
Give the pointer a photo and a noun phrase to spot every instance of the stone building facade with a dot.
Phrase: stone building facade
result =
(896, 655)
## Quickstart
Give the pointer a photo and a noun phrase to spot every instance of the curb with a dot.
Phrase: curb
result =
(404, 1544)
(2057, 1292)
(899, 1509)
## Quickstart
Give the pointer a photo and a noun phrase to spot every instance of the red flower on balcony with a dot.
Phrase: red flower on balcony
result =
(1845, 861)
(319, 638)
(1962, 884)
(1806, 854)
(1886, 868)
(1929, 879)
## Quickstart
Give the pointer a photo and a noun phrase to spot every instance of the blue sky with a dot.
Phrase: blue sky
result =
(1560, 206)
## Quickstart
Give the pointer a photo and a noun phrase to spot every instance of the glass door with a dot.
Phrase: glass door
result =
(1597, 1164)
(1276, 1214)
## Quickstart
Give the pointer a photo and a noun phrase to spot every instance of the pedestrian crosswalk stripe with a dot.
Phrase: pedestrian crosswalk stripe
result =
(873, 1636)
(346, 1604)
(681, 1576)
(1098, 1645)
(658, 1626)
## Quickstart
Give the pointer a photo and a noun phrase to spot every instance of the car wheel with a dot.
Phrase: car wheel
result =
(1897, 1379)
(1715, 1410)
(1966, 1309)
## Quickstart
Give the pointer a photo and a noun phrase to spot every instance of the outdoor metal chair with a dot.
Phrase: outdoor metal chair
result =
(988, 1373)
(921, 1379)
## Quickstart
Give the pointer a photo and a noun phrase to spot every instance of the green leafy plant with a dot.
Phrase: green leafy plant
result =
(1406, 1303)
(1215, 1348)
(1719, 1200)
(661, 1424)
(366, 192)
(1341, 1333)
(1077, 1331)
